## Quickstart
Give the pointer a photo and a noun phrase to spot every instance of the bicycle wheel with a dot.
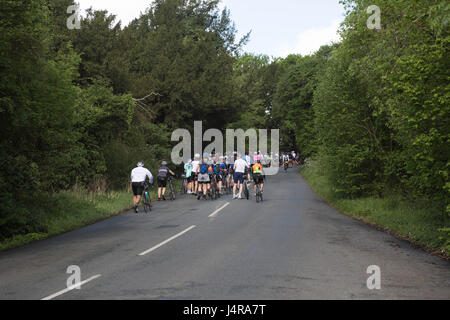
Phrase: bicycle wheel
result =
(257, 193)
(147, 202)
(183, 186)
(246, 192)
(172, 195)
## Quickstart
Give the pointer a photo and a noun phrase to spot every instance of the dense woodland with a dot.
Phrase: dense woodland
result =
(374, 109)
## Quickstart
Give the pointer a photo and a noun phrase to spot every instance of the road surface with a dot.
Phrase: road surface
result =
(291, 246)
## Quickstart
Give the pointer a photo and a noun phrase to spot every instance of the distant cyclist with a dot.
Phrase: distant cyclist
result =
(163, 174)
(239, 169)
(195, 165)
(258, 177)
(224, 172)
(188, 175)
(204, 181)
(138, 177)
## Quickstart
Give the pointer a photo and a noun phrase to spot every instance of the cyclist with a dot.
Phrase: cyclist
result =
(162, 180)
(297, 158)
(213, 173)
(258, 177)
(285, 161)
(239, 171)
(203, 180)
(188, 174)
(223, 172)
(138, 177)
(195, 165)
(247, 158)
(293, 155)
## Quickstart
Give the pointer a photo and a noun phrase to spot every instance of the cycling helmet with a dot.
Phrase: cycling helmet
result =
(140, 164)
(197, 156)
(164, 163)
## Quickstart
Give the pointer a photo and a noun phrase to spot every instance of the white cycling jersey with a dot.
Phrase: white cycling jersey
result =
(139, 174)
(239, 166)
(195, 165)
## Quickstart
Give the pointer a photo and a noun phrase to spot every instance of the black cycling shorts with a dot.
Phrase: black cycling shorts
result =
(138, 188)
(162, 182)
(258, 178)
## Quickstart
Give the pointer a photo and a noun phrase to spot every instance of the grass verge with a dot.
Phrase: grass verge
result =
(70, 210)
(422, 226)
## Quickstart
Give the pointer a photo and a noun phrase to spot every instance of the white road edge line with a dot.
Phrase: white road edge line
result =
(71, 288)
(167, 241)
(217, 211)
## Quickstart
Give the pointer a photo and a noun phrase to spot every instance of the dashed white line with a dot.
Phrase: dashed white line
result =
(71, 288)
(167, 241)
(218, 210)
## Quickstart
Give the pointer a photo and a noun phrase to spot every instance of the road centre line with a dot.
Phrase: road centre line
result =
(71, 287)
(218, 210)
(166, 241)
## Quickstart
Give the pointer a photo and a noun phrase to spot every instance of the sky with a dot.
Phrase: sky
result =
(278, 27)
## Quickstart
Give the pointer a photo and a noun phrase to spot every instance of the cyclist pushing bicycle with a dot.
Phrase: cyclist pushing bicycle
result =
(163, 174)
(138, 177)
(258, 176)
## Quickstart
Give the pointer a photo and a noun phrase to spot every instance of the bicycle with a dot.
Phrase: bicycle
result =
(145, 198)
(246, 188)
(230, 183)
(171, 189)
(183, 188)
(225, 183)
(215, 187)
(259, 196)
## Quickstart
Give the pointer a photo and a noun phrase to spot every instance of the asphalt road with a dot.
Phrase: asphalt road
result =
(291, 246)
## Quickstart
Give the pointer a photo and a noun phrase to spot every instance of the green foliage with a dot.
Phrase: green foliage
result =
(445, 238)
(293, 112)
(374, 108)
(381, 107)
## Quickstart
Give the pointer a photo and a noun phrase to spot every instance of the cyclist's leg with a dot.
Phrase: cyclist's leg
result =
(241, 185)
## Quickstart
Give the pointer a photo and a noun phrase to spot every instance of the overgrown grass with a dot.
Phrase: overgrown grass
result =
(70, 210)
(423, 226)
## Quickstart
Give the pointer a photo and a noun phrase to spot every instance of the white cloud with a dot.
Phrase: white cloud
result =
(311, 40)
(125, 11)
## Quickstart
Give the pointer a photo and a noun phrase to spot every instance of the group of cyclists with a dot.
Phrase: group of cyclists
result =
(290, 159)
(222, 172)
(218, 172)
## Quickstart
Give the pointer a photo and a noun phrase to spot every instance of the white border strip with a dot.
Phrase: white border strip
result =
(217, 211)
(71, 288)
(167, 241)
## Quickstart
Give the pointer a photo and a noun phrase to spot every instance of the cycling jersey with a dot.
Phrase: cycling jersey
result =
(240, 165)
(223, 166)
(195, 165)
(140, 173)
(188, 169)
(257, 168)
(163, 171)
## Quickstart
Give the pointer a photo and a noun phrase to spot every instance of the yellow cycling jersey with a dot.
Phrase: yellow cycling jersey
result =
(257, 168)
